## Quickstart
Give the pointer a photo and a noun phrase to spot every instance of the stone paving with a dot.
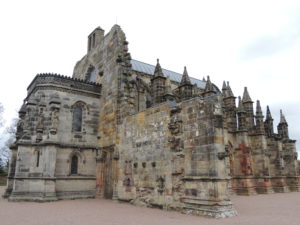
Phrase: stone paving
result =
(273, 209)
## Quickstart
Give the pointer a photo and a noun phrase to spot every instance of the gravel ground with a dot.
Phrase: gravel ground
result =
(272, 209)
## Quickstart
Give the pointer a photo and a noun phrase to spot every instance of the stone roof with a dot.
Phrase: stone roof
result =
(149, 69)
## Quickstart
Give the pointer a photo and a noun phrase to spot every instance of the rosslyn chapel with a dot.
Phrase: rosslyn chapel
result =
(130, 131)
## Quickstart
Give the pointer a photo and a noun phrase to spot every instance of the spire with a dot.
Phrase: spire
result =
(268, 116)
(246, 96)
(229, 91)
(260, 127)
(258, 109)
(282, 127)
(240, 105)
(185, 77)
(158, 70)
(282, 117)
(209, 87)
(241, 116)
(269, 123)
(224, 87)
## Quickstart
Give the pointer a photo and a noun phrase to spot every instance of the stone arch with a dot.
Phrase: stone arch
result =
(76, 157)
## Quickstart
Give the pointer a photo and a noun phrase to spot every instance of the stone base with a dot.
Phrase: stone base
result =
(263, 185)
(293, 183)
(33, 196)
(243, 186)
(75, 194)
(221, 209)
(279, 185)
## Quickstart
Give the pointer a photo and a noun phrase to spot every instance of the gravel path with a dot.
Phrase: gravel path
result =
(272, 209)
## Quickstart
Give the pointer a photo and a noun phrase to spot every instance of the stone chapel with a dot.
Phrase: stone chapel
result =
(130, 131)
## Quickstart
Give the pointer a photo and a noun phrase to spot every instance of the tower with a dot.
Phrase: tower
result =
(95, 38)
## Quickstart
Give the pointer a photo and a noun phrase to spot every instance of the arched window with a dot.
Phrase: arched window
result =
(74, 164)
(77, 118)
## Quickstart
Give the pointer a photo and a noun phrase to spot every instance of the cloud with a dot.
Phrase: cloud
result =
(272, 44)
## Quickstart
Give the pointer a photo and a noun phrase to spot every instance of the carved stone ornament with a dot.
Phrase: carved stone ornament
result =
(54, 121)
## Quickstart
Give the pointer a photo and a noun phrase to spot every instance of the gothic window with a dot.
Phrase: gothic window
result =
(77, 118)
(74, 164)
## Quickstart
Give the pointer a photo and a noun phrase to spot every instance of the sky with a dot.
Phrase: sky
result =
(248, 43)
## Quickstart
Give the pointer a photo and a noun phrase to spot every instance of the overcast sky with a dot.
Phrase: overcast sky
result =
(248, 43)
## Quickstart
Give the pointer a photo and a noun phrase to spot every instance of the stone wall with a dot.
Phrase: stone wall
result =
(174, 157)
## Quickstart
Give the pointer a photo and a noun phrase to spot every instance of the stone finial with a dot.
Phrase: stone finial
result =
(185, 77)
(282, 117)
(209, 87)
(258, 109)
(283, 127)
(246, 96)
(158, 70)
(229, 91)
(268, 116)
(224, 87)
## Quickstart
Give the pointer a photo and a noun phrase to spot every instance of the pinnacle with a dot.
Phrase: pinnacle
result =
(258, 109)
(246, 96)
(269, 116)
(158, 70)
(224, 87)
(185, 77)
(209, 87)
(229, 91)
(240, 105)
(282, 117)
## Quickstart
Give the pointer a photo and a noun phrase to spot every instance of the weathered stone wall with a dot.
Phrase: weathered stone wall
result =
(145, 156)
(47, 139)
(175, 158)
